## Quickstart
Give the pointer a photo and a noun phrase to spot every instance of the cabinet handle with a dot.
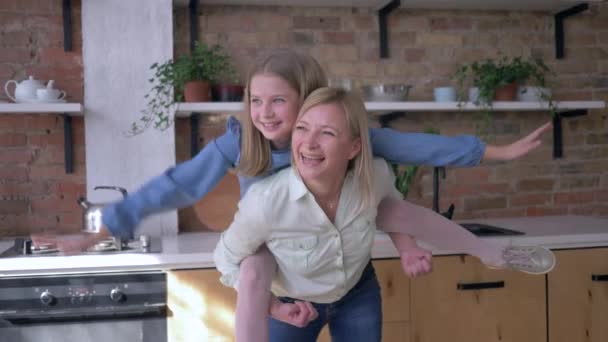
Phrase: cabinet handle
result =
(599, 277)
(480, 286)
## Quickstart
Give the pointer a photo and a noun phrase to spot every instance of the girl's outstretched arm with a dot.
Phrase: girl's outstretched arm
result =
(177, 187)
(438, 150)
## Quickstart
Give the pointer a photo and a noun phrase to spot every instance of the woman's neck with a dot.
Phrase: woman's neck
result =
(327, 195)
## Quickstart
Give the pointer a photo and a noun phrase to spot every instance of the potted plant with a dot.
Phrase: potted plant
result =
(499, 80)
(187, 78)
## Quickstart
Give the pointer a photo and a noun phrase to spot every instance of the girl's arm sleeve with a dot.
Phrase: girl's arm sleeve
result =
(426, 149)
(247, 232)
(178, 187)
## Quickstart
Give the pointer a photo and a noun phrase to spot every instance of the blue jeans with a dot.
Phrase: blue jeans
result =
(355, 317)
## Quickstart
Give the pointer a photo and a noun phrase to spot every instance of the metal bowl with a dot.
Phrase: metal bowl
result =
(386, 92)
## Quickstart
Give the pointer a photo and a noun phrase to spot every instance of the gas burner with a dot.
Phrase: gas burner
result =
(112, 245)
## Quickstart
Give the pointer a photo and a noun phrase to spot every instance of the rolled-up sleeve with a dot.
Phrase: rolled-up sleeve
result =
(244, 236)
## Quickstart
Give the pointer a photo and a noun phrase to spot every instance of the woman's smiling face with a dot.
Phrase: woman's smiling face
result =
(274, 106)
(323, 144)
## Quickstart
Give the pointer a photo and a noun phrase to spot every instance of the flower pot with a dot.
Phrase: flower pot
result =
(444, 94)
(506, 93)
(227, 92)
(197, 91)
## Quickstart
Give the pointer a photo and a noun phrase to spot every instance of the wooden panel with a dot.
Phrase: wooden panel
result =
(216, 209)
(578, 307)
(441, 312)
(395, 289)
(201, 308)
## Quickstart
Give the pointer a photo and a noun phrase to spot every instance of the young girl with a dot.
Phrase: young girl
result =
(259, 146)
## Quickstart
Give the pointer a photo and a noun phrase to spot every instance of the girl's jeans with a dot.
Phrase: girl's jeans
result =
(356, 317)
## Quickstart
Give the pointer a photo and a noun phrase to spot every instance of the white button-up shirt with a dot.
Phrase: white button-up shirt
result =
(318, 260)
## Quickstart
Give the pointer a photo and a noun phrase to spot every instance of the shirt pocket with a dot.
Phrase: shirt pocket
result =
(365, 221)
(296, 253)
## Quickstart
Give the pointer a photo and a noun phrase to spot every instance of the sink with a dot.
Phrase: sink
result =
(481, 229)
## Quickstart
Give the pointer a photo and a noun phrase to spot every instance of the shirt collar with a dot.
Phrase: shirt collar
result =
(297, 188)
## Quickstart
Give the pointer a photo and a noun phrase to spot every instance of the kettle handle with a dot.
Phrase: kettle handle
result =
(123, 191)
(6, 89)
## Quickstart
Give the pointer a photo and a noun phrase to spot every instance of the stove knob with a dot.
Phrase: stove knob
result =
(47, 298)
(117, 296)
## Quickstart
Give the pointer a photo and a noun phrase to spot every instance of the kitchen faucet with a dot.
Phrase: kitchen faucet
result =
(437, 170)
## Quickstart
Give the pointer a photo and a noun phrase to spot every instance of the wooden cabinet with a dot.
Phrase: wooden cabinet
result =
(201, 308)
(462, 300)
(578, 296)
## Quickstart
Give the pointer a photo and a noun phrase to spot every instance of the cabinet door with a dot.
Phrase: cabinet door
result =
(463, 301)
(201, 308)
(578, 296)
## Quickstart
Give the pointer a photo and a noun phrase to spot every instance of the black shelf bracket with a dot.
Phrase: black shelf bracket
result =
(67, 25)
(558, 143)
(68, 144)
(559, 26)
(194, 119)
(386, 119)
(382, 14)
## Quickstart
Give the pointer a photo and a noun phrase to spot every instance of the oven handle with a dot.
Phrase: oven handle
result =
(85, 314)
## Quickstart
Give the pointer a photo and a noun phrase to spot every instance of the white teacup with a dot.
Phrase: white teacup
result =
(50, 95)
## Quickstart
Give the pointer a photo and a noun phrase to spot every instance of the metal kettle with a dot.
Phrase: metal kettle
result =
(91, 217)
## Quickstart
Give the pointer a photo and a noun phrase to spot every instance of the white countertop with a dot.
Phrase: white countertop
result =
(195, 250)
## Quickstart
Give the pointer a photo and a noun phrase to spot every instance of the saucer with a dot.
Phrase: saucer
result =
(43, 101)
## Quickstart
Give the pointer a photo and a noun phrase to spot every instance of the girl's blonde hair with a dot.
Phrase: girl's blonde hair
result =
(304, 74)
(356, 120)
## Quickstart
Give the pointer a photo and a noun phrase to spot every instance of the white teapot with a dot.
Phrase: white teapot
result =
(25, 91)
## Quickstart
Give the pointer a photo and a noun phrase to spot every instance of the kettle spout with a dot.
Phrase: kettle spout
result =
(84, 203)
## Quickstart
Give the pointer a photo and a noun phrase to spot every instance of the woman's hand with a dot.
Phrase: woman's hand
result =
(519, 148)
(73, 243)
(298, 313)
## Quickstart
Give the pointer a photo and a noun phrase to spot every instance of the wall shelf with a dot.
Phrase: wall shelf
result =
(66, 110)
(387, 111)
(515, 5)
(382, 108)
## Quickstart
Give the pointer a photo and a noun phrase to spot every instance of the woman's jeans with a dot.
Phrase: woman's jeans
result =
(356, 317)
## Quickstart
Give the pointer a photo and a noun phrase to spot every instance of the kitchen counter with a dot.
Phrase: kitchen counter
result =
(195, 250)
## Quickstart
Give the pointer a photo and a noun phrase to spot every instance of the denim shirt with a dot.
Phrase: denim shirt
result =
(187, 182)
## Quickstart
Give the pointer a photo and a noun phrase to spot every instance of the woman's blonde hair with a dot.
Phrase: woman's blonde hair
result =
(356, 120)
(304, 74)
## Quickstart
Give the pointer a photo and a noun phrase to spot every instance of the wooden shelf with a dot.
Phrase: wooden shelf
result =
(516, 5)
(380, 108)
(72, 109)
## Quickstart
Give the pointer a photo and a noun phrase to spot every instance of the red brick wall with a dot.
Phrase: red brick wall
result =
(426, 47)
(35, 192)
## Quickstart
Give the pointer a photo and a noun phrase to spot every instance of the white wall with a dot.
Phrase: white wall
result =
(121, 39)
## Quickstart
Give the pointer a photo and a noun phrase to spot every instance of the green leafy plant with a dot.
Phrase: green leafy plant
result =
(406, 174)
(491, 74)
(205, 63)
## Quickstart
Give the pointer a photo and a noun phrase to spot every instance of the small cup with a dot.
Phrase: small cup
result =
(473, 94)
(444, 94)
(50, 95)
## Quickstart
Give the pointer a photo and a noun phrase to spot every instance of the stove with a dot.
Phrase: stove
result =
(23, 247)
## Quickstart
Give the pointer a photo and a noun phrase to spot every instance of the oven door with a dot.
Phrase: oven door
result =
(128, 325)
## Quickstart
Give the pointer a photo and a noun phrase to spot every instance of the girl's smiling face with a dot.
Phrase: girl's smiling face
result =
(274, 106)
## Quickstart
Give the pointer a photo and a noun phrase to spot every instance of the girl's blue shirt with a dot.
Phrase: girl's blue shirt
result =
(188, 182)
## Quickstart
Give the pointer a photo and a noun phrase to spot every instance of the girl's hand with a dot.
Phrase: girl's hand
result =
(519, 148)
(298, 314)
(70, 244)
